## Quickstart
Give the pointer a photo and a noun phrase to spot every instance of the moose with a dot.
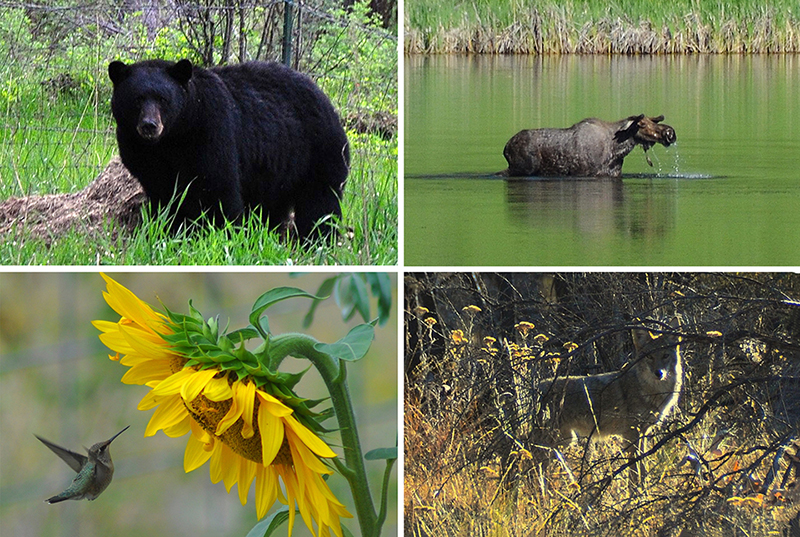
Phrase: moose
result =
(590, 148)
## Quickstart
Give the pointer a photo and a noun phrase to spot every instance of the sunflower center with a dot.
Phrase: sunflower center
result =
(208, 414)
(176, 363)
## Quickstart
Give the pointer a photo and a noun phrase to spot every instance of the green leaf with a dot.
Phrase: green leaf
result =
(381, 453)
(351, 347)
(362, 296)
(244, 334)
(351, 296)
(268, 526)
(381, 286)
(263, 322)
(274, 296)
(324, 291)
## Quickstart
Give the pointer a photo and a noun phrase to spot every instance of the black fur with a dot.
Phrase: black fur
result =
(241, 137)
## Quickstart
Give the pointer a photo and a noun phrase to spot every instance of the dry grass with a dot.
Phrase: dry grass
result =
(455, 486)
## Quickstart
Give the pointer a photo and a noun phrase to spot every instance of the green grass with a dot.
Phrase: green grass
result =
(58, 138)
(596, 26)
(367, 231)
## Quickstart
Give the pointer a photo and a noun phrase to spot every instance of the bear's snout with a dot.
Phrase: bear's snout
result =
(150, 126)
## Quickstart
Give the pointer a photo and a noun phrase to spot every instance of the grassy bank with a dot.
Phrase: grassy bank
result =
(367, 233)
(598, 27)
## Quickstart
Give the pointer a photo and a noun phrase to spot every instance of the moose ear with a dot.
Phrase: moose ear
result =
(657, 119)
(117, 72)
(181, 71)
(628, 128)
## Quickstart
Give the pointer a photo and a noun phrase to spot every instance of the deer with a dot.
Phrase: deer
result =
(627, 403)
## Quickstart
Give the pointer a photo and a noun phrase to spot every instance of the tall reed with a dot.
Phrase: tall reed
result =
(595, 27)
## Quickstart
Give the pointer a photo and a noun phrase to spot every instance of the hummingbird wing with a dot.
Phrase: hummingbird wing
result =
(74, 460)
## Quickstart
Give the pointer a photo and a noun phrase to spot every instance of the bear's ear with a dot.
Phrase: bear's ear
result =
(181, 71)
(117, 72)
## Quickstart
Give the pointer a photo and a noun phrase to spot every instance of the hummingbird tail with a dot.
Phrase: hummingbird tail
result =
(56, 499)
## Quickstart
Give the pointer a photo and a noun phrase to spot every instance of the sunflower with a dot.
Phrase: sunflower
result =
(246, 432)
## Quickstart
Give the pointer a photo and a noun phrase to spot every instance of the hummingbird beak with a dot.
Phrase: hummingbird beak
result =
(116, 435)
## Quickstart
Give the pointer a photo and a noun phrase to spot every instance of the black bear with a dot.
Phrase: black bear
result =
(229, 139)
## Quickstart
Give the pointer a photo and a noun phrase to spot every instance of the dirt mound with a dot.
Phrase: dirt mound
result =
(383, 124)
(112, 201)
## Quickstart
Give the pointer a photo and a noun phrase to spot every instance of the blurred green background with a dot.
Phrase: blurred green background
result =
(56, 381)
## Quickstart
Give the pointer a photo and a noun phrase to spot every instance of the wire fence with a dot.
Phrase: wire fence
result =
(56, 128)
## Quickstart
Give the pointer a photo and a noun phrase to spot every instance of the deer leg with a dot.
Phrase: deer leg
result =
(636, 468)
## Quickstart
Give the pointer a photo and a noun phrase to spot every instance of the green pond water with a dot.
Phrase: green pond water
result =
(727, 194)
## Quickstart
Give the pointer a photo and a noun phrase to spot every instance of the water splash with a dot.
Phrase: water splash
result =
(677, 161)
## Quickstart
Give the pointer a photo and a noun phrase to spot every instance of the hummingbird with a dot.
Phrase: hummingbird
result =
(94, 472)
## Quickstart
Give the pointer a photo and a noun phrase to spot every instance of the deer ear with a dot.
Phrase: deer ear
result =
(658, 119)
(641, 337)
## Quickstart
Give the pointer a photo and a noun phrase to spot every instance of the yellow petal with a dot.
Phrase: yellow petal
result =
(230, 418)
(195, 384)
(179, 429)
(126, 303)
(140, 334)
(147, 371)
(291, 488)
(168, 413)
(317, 501)
(133, 358)
(195, 455)
(270, 428)
(172, 385)
(215, 468)
(218, 389)
(116, 342)
(150, 401)
(105, 326)
(300, 475)
(273, 405)
(247, 402)
(301, 453)
(313, 442)
(201, 434)
(144, 346)
(266, 489)
(247, 471)
(230, 466)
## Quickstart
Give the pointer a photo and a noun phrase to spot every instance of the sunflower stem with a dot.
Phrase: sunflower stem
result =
(333, 373)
